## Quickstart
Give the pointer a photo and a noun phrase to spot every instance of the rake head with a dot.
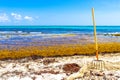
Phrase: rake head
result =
(98, 64)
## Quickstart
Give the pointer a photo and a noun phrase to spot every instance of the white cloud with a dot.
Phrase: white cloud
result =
(4, 17)
(16, 16)
(28, 18)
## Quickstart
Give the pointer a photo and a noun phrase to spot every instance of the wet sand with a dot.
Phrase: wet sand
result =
(50, 40)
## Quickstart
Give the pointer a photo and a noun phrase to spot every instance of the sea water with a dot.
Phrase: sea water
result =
(60, 29)
(24, 35)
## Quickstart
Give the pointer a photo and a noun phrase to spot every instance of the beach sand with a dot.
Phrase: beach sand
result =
(53, 68)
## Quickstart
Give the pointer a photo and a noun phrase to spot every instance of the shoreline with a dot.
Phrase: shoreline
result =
(59, 50)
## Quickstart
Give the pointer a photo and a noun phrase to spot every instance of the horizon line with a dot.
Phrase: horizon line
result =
(59, 25)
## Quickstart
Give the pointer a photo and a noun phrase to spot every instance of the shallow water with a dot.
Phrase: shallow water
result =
(18, 36)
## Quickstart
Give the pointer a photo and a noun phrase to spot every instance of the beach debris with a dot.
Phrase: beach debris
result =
(80, 73)
(34, 57)
(71, 68)
(17, 70)
(46, 71)
(97, 73)
(48, 61)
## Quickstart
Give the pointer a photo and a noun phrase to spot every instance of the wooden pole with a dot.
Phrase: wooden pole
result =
(95, 36)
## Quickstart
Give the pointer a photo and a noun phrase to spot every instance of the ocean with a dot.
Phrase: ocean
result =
(61, 29)
(14, 36)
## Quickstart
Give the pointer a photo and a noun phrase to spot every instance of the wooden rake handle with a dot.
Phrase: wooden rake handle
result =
(95, 36)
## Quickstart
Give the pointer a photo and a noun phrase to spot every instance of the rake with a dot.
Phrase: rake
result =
(97, 64)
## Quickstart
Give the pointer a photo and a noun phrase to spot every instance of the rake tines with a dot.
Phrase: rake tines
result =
(98, 64)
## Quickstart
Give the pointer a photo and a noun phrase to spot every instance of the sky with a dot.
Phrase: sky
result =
(59, 12)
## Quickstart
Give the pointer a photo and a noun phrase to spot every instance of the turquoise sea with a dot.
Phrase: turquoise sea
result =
(61, 29)
(14, 36)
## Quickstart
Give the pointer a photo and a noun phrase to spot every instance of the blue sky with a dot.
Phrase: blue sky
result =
(59, 12)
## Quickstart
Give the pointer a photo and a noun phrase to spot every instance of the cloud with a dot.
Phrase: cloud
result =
(28, 18)
(16, 16)
(4, 17)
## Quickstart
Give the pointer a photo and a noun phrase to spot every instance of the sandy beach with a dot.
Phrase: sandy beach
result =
(59, 39)
(59, 68)
(75, 67)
